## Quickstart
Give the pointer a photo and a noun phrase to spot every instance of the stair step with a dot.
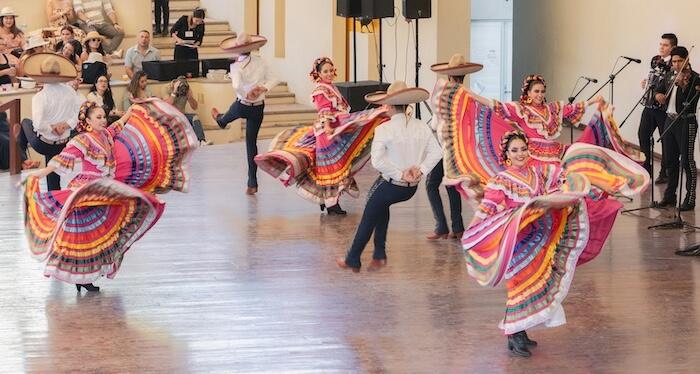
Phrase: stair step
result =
(169, 43)
(179, 6)
(210, 24)
(185, 3)
(289, 108)
(275, 98)
(157, 41)
(281, 117)
(167, 54)
(176, 13)
(209, 37)
(203, 50)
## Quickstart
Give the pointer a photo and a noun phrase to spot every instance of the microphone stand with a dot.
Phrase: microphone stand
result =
(418, 65)
(611, 81)
(678, 222)
(650, 152)
(571, 101)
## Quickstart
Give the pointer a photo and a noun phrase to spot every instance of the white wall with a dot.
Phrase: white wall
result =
(399, 49)
(226, 10)
(308, 34)
(492, 9)
(565, 39)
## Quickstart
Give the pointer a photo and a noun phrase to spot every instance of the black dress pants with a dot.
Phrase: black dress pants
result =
(375, 219)
(162, 7)
(432, 185)
(253, 120)
(650, 121)
(679, 144)
(28, 136)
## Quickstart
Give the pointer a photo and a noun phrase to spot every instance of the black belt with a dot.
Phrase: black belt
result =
(399, 183)
(248, 103)
(52, 142)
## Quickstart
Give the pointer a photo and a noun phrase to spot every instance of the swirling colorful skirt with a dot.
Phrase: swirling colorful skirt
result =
(83, 234)
(319, 166)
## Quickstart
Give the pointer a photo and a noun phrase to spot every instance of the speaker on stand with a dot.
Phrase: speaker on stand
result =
(355, 91)
(417, 9)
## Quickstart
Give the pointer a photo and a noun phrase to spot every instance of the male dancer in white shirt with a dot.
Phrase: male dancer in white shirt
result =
(250, 80)
(54, 110)
(403, 150)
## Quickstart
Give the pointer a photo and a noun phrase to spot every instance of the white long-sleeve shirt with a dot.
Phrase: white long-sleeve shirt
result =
(55, 103)
(249, 72)
(401, 143)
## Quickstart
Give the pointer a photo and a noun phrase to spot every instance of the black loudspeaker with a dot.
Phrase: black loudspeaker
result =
(377, 9)
(216, 63)
(169, 70)
(349, 8)
(414, 9)
(355, 93)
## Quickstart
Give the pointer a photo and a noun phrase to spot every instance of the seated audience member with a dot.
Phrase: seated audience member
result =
(69, 52)
(68, 36)
(5, 147)
(60, 13)
(101, 93)
(7, 71)
(12, 39)
(179, 94)
(91, 18)
(93, 44)
(138, 89)
(142, 51)
(93, 68)
(35, 44)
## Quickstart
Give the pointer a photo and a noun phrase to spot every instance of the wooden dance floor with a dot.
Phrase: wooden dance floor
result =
(227, 283)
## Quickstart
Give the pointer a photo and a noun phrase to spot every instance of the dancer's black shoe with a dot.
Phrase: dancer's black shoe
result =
(335, 210)
(88, 286)
(518, 345)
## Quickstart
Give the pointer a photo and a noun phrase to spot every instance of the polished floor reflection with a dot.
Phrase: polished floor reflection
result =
(229, 283)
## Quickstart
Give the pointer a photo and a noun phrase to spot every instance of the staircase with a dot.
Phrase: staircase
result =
(281, 108)
(281, 112)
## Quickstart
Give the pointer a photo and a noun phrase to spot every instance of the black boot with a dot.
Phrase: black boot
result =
(88, 286)
(518, 345)
(530, 343)
(335, 210)
(688, 205)
(323, 207)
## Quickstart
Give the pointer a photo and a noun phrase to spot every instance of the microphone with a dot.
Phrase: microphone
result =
(632, 59)
(592, 80)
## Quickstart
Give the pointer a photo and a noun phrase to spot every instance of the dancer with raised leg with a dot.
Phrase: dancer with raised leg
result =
(250, 80)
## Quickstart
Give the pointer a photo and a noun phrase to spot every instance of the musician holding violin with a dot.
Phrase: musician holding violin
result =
(654, 114)
(680, 98)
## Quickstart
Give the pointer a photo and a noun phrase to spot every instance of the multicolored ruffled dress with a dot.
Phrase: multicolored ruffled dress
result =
(84, 231)
(537, 223)
(322, 166)
(470, 134)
